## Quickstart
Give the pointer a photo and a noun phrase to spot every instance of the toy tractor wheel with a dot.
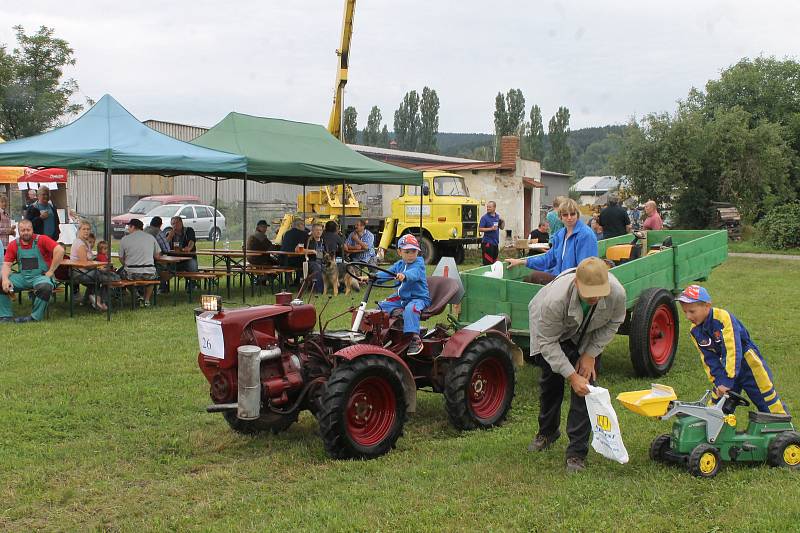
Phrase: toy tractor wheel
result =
(653, 338)
(784, 450)
(266, 422)
(363, 408)
(659, 447)
(480, 385)
(704, 461)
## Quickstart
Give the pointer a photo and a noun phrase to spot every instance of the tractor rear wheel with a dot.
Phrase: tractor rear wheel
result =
(784, 450)
(266, 422)
(363, 408)
(704, 461)
(479, 386)
(653, 337)
(659, 447)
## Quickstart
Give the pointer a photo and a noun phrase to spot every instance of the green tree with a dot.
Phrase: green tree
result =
(558, 133)
(350, 125)
(515, 112)
(429, 121)
(534, 138)
(372, 130)
(500, 116)
(384, 139)
(407, 122)
(34, 95)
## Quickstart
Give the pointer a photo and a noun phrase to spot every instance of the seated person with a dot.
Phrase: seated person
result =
(334, 243)
(81, 250)
(316, 262)
(539, 235)
(259, 242)
(360, 244)
(292, 241)
(571, 244)
(154, 229)
(38, 257)
(412, 296)
(102, 252)
(138, 251)
(182, 239)
(731, 359)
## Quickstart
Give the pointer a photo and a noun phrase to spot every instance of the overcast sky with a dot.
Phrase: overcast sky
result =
(193, 62)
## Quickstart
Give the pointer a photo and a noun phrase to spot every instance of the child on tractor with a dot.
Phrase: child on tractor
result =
(731, 359)
(412, 295)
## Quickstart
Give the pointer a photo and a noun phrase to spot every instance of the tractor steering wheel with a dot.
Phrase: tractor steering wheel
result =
(734, 400)
(360, 268)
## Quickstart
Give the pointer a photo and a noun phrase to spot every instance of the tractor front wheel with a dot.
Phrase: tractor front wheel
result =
(363, 408)
(266, 422)
(479, 385)
(653, 338)
(784, 450)
(704, 461)
(659, 447)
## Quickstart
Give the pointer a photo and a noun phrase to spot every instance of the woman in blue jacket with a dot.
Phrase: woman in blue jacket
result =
(571, 244)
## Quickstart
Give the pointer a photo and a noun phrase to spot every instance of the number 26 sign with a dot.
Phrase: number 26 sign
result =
(209, 335)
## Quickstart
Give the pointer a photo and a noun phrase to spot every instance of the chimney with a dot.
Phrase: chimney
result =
(509, 151)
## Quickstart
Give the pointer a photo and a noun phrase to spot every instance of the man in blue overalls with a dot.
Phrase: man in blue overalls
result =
(38, 257)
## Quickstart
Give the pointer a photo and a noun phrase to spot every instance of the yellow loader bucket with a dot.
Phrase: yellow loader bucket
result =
(651, 402)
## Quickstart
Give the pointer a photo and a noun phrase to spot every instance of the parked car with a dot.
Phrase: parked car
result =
(196, 216)
(144, 206)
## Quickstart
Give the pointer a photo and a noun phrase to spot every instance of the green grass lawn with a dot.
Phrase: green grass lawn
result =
(103, 427)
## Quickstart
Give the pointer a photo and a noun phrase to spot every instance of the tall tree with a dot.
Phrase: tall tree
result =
(558, 134)
(534, 138)
(384, 139)
(515, 111)
(372, 130)
(34, 96)
(500, 115)
(407, 122)
(350, 125)
(429, 121)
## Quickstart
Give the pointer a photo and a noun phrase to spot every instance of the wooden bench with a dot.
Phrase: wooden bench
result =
(272, 273)
(123, 284)
(208, 279)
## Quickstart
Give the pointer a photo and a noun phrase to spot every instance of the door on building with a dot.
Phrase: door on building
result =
(526, 209)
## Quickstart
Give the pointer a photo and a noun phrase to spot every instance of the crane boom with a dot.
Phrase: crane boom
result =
(335, 122)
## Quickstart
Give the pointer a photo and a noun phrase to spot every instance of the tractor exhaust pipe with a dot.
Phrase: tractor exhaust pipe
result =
(249, 379)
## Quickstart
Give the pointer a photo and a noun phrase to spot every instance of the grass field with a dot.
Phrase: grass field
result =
(103, 427)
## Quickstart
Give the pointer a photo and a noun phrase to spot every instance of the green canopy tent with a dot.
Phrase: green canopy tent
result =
(109, 139)
(297, 153)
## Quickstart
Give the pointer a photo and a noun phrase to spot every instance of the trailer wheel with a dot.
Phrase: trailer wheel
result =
(267, 422)
(659, 447)
(653, 338)
(429, 252)
(784, 450)
(459, 254)
(704, 461)
(479, 386)
(363, 408)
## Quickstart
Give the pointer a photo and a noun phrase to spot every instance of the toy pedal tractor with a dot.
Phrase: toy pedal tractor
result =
(704, 433)
(266, 363)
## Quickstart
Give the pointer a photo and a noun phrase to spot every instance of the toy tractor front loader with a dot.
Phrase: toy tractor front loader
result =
(704, 432)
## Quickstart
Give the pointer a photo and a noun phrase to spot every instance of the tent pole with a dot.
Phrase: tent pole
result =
(107, 209)
(244, 237)
(421, 187)
(216, 196)
(344, 212)
(304, 203)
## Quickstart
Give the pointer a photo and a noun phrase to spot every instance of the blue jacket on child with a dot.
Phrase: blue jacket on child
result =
(415, 286)
(563, 256)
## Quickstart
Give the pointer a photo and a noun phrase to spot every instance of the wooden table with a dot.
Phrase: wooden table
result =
(82, 265)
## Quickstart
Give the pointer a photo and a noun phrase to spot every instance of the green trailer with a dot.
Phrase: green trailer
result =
(650, 282)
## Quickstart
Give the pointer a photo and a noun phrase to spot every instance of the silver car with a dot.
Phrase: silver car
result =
(198, 217)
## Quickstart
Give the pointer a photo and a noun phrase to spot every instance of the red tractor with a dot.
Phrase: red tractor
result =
(265, 364)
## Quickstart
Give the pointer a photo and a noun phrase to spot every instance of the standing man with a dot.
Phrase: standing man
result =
(38, 257)
(138, 251)
(490, 225)
(652, 218)
(553, 217)
(614, 219)
(47, 214)
(360, 244)
(572, 320)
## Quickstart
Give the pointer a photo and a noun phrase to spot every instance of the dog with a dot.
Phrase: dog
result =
(330, 274)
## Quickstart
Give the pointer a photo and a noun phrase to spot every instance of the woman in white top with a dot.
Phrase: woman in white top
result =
(81, 251)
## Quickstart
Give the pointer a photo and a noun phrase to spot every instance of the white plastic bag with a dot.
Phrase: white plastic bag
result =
(606, 436)
(496, 270)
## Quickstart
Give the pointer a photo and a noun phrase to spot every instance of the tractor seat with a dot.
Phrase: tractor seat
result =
(766, 418)
(442, 291)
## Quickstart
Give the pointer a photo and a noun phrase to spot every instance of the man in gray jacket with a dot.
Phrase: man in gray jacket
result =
(572, 320)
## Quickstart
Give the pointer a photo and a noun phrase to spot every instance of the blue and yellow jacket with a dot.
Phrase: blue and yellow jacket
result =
(722, 341)
(415, 286)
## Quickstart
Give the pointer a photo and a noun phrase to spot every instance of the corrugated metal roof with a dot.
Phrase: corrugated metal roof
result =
(596, 184)
(402, 154)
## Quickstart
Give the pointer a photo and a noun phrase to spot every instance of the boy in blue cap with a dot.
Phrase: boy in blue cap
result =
(412, 295)
(731, 359)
